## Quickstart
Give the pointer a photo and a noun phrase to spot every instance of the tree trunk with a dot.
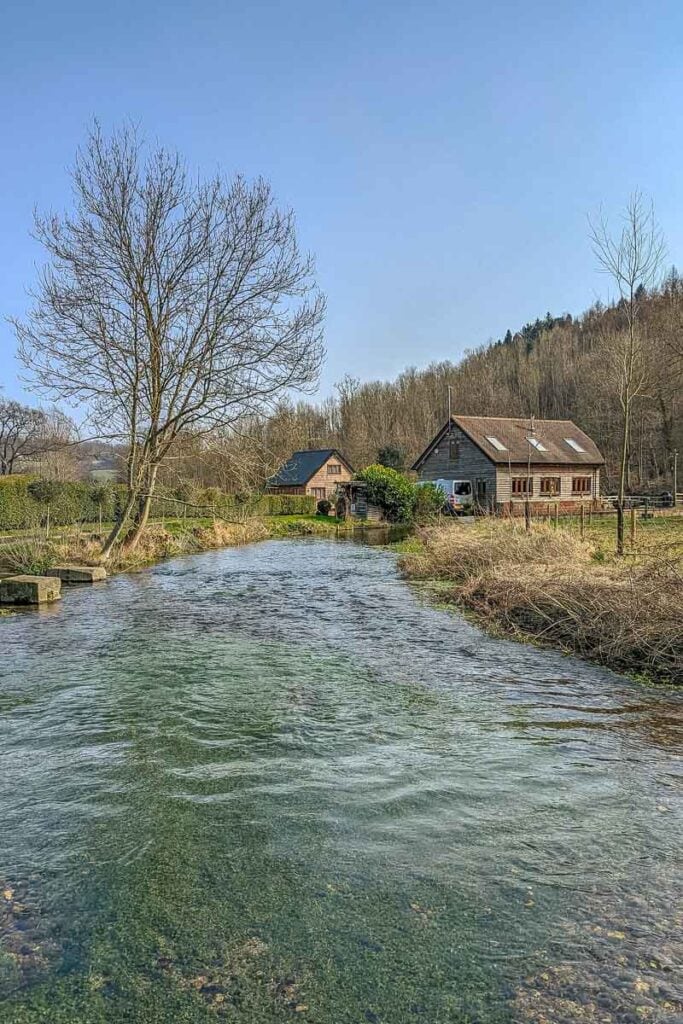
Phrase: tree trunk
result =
(119, 526)
(622, 477)
(620, 527)
(142, 516)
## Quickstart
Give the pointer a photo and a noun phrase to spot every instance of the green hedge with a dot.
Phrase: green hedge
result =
(232, 504)
(23, 503)
(288, 504)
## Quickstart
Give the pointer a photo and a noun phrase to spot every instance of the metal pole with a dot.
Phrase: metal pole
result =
(527, 507)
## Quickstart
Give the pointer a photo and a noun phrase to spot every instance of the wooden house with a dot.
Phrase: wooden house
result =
(510, 461)
(314, 471)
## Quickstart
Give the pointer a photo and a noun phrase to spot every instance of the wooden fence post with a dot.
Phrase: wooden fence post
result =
(557, 514)
(583, 520)
(633, 526)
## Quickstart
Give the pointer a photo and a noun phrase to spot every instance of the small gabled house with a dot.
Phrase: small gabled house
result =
(510, 461)
(315, 471)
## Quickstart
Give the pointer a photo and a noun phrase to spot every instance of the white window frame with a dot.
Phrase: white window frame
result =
(575, 445)
(498, 445)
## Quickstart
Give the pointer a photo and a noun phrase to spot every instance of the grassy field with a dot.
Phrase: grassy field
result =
(659, 536)
(551, 586)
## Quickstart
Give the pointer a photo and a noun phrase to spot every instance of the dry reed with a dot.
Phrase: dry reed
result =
(546, 585)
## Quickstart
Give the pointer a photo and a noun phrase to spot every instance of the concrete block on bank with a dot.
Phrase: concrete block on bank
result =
(30, 589)
(79, 573)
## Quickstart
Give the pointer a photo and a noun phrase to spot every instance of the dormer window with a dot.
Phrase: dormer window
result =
(538, 445)
(575, 445)
(498, 445)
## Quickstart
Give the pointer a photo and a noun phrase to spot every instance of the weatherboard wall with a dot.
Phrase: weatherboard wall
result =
(323, 479)
(469, 464)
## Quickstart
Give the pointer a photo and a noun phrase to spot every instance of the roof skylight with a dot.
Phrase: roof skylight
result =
(538, 445)
(575, 445)
(496, 443)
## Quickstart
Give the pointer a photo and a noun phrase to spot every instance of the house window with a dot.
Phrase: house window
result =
(538, 445)
(581, 485)
(551, 485)
(522, 485)
(498, 445)
(574, 444)
(453, 449)
(318, 492)
(333, 469)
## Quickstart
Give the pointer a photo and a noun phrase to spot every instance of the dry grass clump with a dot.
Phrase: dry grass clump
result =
(457, 552)
(32, 555)
(547, 586)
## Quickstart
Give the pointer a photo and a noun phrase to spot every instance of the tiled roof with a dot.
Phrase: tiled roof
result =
(299, 469)
(506, 440)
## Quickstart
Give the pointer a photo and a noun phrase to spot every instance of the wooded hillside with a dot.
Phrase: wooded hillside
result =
(556, 367)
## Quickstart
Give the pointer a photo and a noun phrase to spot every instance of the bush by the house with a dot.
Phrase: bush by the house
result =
(391, 491)
(429, 501)
(400, 500)
(324, 507)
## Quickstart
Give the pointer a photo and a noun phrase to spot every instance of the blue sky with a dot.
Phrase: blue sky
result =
(441, 157)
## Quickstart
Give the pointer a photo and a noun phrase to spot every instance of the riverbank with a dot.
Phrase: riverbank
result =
(550, 586)
(35, 554)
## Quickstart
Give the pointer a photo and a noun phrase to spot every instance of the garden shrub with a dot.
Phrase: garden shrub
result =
(429, 501)
(391, 491)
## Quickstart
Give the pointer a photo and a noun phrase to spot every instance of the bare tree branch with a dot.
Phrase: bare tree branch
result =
(168, 306)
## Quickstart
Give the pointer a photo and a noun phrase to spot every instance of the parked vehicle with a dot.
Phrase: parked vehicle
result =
(459, 495)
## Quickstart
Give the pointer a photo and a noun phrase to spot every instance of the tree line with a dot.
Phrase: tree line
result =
(555, 368)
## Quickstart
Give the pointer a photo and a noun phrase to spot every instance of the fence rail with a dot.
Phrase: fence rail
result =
(663, 500)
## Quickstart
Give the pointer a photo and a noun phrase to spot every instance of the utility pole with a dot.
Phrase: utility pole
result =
(527, 496)
(449, 407)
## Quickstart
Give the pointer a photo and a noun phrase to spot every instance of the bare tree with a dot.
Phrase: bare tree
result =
(27, 434)
(168, 306)
(633, 259)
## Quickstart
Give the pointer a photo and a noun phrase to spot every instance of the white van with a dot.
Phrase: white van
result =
(459, 494)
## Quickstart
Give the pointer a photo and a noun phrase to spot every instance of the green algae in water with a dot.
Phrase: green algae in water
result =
(264, 803)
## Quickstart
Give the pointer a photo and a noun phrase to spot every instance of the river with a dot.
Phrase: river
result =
(274, 784)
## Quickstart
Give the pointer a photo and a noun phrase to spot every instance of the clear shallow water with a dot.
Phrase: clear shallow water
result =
(272, 784)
